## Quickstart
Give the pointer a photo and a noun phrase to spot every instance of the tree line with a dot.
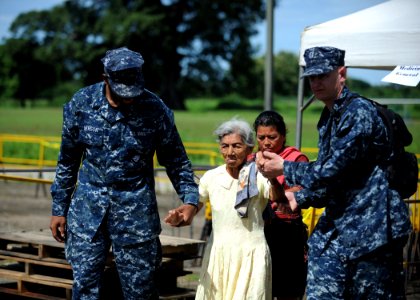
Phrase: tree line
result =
(191, 48)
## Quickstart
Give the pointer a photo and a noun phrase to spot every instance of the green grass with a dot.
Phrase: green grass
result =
(203, 117)
(31, 121)
(195, 125)
(198, 123)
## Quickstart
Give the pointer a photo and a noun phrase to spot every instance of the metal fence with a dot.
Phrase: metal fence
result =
(42, 151)
(167, 199)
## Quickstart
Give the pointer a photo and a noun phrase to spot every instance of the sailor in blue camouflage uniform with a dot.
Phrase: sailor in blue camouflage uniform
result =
(103, 193)
(355, 251)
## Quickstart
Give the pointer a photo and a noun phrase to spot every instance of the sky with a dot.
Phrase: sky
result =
(290, 19)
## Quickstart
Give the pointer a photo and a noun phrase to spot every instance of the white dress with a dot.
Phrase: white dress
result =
(237, 261)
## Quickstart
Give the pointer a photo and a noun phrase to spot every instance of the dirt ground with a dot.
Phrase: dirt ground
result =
(27, 207)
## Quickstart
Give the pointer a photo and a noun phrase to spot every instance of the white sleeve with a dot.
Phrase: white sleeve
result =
(263, 186)
(203, 187)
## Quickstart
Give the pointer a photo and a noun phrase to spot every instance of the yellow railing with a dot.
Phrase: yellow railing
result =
(41, 143)
(206, 152)
(209, 151)
(310, 215)
(414, 205)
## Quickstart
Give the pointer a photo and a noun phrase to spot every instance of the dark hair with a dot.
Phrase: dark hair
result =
(271, 118)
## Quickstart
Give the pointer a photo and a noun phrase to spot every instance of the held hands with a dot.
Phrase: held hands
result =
(292, 200)
(183, 215)
(290, 205)
(269, 164)
(281, 199)
(277, 194)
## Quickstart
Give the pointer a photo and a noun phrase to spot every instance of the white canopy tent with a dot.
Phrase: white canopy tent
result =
(380, 37)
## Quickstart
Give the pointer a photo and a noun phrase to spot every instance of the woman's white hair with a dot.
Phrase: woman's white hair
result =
(238, 126)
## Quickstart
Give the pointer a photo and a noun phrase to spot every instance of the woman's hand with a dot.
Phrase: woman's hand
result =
(269, 164)
(292, 200)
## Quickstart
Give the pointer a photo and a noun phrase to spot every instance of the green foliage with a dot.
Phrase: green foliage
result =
(184, 43)
(285, 76)
(61, 93)
(238, 102)
(383, 91)
(357, 85)
(192, 48)
(395, 91)
(195, 125)
(286, 73)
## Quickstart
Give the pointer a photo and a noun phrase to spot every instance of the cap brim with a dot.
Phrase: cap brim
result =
(316, 70)
(126, 91)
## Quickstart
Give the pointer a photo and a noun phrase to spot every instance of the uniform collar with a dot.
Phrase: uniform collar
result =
(338, 104)
(109, 113)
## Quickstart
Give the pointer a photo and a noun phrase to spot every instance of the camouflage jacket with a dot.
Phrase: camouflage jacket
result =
(105, 165)
(348, 180)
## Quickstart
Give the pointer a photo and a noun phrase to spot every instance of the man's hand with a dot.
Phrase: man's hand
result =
(183, 215)
(269, 164)
(58, 228)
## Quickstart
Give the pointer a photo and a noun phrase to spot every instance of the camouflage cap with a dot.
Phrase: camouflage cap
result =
(123, 68)
(322, 60)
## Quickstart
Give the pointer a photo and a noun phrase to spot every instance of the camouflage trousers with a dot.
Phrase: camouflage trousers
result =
(137, 266)
(377, 275)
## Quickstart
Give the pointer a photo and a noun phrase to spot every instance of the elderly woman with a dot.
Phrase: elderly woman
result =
(236, 263)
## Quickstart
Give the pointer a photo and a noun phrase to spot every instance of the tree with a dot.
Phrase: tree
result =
(286, 73)
(26, 74)
(183, 41)
(41, 52)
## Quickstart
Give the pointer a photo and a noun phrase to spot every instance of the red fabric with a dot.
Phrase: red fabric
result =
(282, 211)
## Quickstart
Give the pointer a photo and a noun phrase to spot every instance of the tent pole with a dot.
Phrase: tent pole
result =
(299, 110)
(268, 96)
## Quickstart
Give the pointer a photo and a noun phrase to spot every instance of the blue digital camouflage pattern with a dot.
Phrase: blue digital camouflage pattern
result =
(122, 59)
(361, 212)
(123, 68)
(109, 153)
(137, 265)
(322, 60)
(377, 275)
(105, 169)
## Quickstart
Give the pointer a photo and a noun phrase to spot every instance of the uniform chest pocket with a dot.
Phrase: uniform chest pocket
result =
(91, 132)
(91, 136)
(141, 138)
(140, 146)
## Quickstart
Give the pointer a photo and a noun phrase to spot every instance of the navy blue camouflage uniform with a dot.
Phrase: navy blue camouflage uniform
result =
(355, 251)
(104, 185)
